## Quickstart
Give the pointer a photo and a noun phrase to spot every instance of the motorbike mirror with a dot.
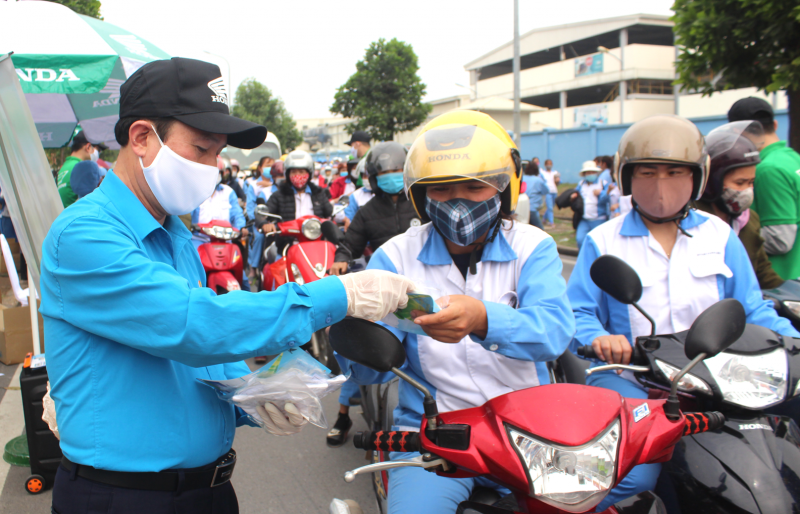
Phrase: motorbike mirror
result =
(616, 278)
(330, 231)
(367, 343)
(343, 200)
(715, 329)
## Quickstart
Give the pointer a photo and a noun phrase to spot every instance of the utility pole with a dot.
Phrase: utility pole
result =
(517, 125)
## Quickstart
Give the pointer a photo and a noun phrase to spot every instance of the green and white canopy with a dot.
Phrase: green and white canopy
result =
(71, 68)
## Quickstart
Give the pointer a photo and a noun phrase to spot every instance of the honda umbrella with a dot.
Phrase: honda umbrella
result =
(70, 67)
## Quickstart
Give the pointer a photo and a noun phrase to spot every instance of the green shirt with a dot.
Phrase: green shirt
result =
(68, 196)
(777, 200)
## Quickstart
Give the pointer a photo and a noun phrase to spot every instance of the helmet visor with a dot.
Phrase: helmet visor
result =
(455, 153)
(724, 137)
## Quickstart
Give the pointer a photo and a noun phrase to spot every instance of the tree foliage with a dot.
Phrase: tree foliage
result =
(255, 102)
(729, 44)
(85, 7)
(385, 93)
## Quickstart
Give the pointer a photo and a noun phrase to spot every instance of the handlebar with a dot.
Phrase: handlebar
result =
(387, 441)
(699, 422)
(587, 352)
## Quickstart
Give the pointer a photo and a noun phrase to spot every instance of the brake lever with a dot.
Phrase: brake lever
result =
(416, 462)
(629, 367)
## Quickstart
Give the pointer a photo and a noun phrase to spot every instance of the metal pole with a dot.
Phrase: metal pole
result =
(37, 345)
(623, 85)
(516, 75)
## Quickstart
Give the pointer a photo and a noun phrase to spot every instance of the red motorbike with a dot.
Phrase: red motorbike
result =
(307, 258)
(559, 448)
(222, 260)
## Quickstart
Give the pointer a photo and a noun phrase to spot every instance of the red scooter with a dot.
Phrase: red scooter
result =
(222, 260)
(558, 448)
(307, 259)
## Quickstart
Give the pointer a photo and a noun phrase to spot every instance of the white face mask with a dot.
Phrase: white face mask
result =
(94, 155)
(179, 185)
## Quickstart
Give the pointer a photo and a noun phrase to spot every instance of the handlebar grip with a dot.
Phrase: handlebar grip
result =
(587, 352)
(699, 422)
(387, 441)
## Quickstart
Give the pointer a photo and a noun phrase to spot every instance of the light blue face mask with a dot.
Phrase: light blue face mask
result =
(591, 178)
(342, 173)
(266, 170)
(391, 183)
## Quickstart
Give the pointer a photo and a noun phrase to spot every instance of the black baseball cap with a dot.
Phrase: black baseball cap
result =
(359, 135)
(751, 108)
(190, 91)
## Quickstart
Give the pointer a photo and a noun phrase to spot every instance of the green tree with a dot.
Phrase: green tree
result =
(255, 102)
(85, 7)
(385, 93)
(728, 44)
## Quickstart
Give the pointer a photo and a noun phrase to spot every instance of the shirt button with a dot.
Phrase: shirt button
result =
(328, 319)
(291, 344)
(493, 347)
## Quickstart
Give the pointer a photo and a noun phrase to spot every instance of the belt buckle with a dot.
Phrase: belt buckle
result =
(224, 471)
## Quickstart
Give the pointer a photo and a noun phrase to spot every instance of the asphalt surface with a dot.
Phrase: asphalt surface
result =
(273, 475)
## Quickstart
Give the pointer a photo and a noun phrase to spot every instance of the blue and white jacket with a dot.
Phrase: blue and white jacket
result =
(702, 270)
(360, 197)
(223, 204)
(530, 321)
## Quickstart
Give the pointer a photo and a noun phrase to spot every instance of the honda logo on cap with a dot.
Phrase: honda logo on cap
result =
(220, 92)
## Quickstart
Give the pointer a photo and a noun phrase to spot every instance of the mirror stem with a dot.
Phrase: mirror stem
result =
(431, 411)
(651, 320)
(672, 407)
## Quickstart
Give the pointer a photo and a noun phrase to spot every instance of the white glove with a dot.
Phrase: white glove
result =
(49, 414)
(277, 422)
(372, 294)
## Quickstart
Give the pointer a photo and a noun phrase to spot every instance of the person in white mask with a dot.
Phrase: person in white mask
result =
(130, 326)
(687, 261)
(82, 150)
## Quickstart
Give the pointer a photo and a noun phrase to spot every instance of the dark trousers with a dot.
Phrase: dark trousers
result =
(76, 495)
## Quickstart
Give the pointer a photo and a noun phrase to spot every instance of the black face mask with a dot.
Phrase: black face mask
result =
(226, 177)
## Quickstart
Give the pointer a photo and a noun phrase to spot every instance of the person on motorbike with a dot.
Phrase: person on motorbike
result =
(687, 261)
(345, 183)
(229, 179)
(507, 311)
(383, 217)
(734, 152)
(360, 196)
(298, 196)
(260, 181)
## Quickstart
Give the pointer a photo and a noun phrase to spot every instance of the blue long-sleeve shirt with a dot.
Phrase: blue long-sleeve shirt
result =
(129, 328)
(536, 190)
(235, 213)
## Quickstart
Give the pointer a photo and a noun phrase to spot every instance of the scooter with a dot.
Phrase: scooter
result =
(307, 259)
(558, 448)
(753, 463)
(222, 260)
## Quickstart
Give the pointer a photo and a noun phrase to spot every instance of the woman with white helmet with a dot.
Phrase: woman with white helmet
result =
(687, 260)
(508, 312)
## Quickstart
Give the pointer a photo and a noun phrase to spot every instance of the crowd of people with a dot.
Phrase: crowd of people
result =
(699, 218)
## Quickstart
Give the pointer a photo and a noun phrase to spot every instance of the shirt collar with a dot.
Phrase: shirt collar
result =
(434, 252)
(307, 190)
(778, 145)
(136, 214)
(633, 225)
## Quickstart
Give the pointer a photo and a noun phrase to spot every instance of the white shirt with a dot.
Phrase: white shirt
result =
(550, 178)
(302, 204)
(590, 200)
(217, 206)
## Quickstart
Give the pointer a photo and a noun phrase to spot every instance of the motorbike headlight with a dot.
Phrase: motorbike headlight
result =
(298, 277)
(688, 383)
(311, 228)
(794, 308)
(570, 478)
(752, 381)
(209, 231)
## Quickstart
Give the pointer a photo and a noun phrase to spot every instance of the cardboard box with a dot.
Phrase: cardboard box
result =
(16, 339)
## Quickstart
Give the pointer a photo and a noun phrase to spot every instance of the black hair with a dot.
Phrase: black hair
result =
(78, 142)
(532, 169)
(607, 161)
(123, 127)
(766, 121)
(261, 161)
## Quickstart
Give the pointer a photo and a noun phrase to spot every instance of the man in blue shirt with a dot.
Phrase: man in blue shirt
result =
(130, 327)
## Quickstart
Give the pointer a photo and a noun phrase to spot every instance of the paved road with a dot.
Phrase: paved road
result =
(274, 475)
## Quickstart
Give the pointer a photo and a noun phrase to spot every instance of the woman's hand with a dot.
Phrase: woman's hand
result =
(597, 192)
(614, 349)
(267, 228)
(464, 315)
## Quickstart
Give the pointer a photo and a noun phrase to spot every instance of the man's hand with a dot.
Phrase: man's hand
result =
(464, 315)
(245, 232)
(268, 227)
(339, 268)
(372, 294)
(614, 349)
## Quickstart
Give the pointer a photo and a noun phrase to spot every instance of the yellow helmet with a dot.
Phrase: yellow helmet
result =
(459, 146)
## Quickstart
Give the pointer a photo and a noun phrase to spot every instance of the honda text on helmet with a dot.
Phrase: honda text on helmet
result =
(299, 160)
(384, 165)
(731, 147)
(662, 140)
(458, 147)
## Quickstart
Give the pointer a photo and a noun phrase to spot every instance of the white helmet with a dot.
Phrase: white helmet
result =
(299, 160)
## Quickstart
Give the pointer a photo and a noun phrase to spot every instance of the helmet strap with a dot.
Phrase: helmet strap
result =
(677, 218)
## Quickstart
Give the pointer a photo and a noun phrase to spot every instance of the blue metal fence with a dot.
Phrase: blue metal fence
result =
(569, 148)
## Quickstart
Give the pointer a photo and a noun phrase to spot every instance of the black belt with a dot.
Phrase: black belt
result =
(212, 475)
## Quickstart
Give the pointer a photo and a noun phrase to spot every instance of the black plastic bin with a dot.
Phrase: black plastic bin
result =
(45, 453)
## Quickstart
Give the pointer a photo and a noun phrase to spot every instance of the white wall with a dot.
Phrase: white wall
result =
(635, 110)
(697, 105)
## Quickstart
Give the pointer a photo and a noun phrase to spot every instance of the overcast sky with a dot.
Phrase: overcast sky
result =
(303, 50)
